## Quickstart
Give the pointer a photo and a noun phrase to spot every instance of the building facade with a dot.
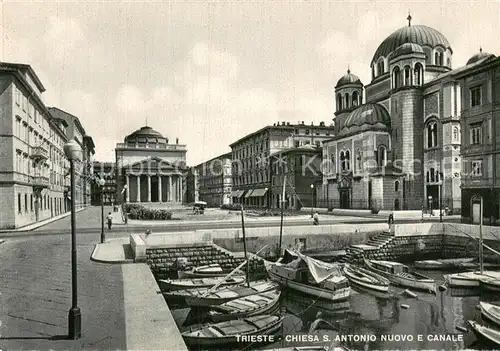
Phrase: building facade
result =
(251, 168)
(33, 167)
(83, 170)
(401, 149)
(301, 167)
(150, 169)
(214, 179)
(106, 171)
(192, 185)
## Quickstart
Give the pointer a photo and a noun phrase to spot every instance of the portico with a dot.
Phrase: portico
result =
(154, 188)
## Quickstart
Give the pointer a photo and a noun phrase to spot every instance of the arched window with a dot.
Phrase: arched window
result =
(407, 76)
(396, 78)
(441, 58)
(436, 58)
(359, 165)
(347, 102)
(432, 134)
(417, 74)
(455, 133)
(437, 175)
(380, 67)
(396, 185)
(342, 160)
(448, 62)
(433, 175)
(382, 156)
(355, 97)
(428, 178)
(339, 102)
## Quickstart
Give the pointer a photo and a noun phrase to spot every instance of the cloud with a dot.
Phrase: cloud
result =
(64, 38)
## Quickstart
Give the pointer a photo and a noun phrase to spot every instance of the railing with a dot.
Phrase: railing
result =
(152, 146)
(40, 182)
(39, 152)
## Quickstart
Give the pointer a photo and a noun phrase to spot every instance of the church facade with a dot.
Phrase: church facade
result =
(400, 147)
(149, 169)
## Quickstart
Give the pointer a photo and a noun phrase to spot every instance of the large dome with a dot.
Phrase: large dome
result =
(367, 116)
(419, 34)
(407, 49)
(349, 78)
(479, 56)
(146, 134)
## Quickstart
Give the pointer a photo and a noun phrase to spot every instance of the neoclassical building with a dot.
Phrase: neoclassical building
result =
(400, 146)
(152, 169)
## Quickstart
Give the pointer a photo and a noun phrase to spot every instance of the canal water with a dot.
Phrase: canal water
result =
(373, 321)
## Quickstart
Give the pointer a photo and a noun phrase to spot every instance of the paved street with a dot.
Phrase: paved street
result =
(35, 296)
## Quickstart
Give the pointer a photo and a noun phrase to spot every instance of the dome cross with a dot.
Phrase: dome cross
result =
(409, 19)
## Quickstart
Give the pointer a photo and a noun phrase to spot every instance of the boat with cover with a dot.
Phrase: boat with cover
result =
(365, 278)
(193, 283)
(230, 332)
(443, 264)
(490, 312)
(310, 276)
(211, 270)
(490, 335)
(206, 297)
(246, 306)
(470, 279)
(400, 274)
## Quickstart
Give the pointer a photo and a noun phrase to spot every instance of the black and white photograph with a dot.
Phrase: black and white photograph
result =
(208, 175)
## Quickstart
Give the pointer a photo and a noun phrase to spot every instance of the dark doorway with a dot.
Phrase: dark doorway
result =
(154, 189)
(345, 202)
(369, 194)
(433, 196)
(396, 205)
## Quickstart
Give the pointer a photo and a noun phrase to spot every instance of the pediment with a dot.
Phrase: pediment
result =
(154, 164)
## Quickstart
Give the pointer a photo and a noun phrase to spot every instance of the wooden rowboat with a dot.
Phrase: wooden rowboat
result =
(470, 279)
(491, 336)
(249, 330)
(444, 264)
(193, 283)
(490, 284)
(202, 297)
(400, 274)
(211, 270)
(366, 278)
(490, 312)
(246, 306)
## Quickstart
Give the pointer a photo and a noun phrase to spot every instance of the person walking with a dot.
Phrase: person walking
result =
(110, 220)
(316, 218)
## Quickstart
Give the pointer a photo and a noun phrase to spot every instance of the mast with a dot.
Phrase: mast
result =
(282, 207)
(481, 236)
(245, 243)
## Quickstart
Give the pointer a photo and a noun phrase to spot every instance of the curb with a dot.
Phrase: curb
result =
(99, 260)
(37, 225)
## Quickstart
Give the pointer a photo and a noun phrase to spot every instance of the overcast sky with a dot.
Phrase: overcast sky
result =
(209, 72)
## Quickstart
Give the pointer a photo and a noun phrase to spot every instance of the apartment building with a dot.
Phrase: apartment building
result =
(106, 171)
(214, 181)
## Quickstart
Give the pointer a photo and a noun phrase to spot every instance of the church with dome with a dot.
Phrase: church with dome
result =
(149, 168)
(413, 137)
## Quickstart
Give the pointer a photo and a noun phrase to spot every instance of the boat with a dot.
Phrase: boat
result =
(490, 335)
(231, 332)
(204, 297)
(400, 274)
(211, 270)
(246, 306)
(310, 276)
(470, 279)
(193, 283)
(490, 284)
(490, 312)
(366, 278)
(444, 264)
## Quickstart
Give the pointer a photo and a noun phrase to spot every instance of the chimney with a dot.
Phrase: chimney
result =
(283, 123)
(302, 122)
(312, 123)
(177, 140)
(322, 124)
(287, 123)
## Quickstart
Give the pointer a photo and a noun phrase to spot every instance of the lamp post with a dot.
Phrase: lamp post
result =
(73, 153)
(101, 182)
(312, 200)
(267, 199)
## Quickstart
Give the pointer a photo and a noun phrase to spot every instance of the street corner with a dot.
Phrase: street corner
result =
(112, 252)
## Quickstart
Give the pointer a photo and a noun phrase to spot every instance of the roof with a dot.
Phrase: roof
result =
(407, 48)
(479, 56)
(348, 78)
(463, 69)
(419, 34)
(228, 155)
(365, 117)
(58, 113)
(28, 69)
(305, 149)
(145, 132)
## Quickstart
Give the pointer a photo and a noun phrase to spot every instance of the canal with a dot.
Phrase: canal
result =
(373, 321)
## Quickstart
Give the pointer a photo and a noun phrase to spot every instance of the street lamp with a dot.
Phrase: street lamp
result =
(101, 182)
(312, 199)
(73, 153)
(267, 199)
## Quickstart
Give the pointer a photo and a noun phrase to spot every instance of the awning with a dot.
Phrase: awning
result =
(249, 193)
(259, 192)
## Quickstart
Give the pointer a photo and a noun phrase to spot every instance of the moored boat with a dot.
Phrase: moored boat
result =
(246, 306)
(400, 274)
(365, 278)
(258, 328)
(205, 297)
(444, 264)
(490, 335)
(469, 279)
(490, 284)
(490, 312)
(211, 270)
(309, 276)
(193, 283)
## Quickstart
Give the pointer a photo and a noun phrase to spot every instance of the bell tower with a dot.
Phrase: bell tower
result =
(348, 97)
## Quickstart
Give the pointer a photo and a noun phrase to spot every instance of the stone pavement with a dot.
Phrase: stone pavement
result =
(41, 223)
(88, 218)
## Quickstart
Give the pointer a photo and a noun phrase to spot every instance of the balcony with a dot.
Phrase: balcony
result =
(40, 182)
(39, 153)
(478, 182)
(173, 147)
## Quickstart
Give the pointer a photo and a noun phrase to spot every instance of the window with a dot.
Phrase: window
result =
(477, 168)
(25, 202)
(382, 156)
(455, 133)
(396, 185)
(380, 67)
(339, 102)
(345, 160)
(438, 58)
(396, 78)
(407, 71)
(475, 96)
(432, 134)
(347, 104)
(19, 207)
(359, 166)
(355, 97)
(476, 134)
(417, 74)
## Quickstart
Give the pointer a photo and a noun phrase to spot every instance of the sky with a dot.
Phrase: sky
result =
(210, 72)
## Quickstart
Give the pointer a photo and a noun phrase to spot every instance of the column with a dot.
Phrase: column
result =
(160, 197)
(127, 192)
(179, 189)
(138, 189)
(149, 188)
(170, 188)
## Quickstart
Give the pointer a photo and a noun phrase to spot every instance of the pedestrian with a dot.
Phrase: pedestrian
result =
(110, 220)
(316, 218)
